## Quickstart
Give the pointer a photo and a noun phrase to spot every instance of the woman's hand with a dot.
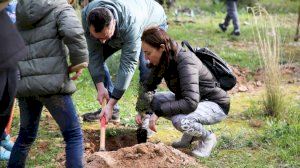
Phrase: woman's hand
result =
(138, 119)
(152, 122)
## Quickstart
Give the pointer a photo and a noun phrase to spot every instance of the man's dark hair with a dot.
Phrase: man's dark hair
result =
(99, 18)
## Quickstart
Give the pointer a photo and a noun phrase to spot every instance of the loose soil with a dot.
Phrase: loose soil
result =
(248, 81)
(123, 151)
(146, 155)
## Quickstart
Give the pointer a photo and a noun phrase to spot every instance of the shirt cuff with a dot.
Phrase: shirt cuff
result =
(117, 94)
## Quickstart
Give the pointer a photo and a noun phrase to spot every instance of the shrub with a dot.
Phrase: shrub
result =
(268, 46)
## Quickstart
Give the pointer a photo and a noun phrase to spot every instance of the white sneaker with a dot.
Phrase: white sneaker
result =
(4, 154)
(205, 146)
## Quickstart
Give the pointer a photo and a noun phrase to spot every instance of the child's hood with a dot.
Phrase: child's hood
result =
(31, 11)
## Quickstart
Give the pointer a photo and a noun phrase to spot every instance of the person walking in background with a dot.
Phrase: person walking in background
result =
(113, 25)
(48, 27)
(232, 14)
(12, 49)
(189, 104)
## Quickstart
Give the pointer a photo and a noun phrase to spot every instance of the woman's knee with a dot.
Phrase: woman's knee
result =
(176, 121)
(183, 122)
(161, 97)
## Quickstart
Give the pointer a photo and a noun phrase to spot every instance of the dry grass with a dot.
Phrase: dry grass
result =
(268, 45)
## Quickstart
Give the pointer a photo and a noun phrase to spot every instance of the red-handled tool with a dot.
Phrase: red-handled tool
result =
(102, 128)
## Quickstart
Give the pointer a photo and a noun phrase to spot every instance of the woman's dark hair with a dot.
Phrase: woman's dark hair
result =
(155, 37)
(99, 18)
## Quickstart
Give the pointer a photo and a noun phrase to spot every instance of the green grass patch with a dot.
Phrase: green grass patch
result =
(273, 144)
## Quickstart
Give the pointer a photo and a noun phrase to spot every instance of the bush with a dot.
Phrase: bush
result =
(268, 46)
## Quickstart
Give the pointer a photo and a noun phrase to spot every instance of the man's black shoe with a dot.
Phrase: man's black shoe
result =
(95, 116)
(92, 116)
(222, 27)
(115, 118)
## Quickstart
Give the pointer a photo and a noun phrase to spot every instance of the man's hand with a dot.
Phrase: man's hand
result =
(152, 122)
(138, 119)
(102, 93)
(107, 112)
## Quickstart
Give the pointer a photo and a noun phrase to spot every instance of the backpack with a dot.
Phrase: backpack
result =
(216, 65)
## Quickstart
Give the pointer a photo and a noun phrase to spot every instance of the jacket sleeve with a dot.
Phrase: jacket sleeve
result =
(71, 31)
(96, 65)
(128, 62)
(146, 92)
(189, 87)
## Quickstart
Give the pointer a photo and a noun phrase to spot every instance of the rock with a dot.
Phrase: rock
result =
(169, 160)
(258, 84)
(141, 150)
(243, 88)
(152, 155)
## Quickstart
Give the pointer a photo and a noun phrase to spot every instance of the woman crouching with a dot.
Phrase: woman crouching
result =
(188, 104)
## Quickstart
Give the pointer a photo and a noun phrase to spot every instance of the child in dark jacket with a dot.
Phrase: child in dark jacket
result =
(12, 49)
(48, 27)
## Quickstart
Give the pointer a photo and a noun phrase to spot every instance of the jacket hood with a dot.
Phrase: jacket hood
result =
(29, 12)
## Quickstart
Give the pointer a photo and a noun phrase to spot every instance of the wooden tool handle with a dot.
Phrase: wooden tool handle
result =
(78, 67)
(102, 127)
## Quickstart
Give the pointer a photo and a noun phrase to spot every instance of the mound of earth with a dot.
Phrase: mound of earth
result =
(146, 155)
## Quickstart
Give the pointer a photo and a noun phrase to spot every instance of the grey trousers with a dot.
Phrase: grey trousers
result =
(232, 14)
(207, 113)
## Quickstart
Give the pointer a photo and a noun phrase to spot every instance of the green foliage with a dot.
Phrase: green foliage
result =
(274, 144)
(283, 140)
(255, 110)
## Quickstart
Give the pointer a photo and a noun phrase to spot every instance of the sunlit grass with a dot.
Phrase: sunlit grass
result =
(274, 144)
(268, 43)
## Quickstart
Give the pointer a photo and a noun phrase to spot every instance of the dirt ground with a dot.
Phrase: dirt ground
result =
(248, 81)
(146, 155)
(123, 151)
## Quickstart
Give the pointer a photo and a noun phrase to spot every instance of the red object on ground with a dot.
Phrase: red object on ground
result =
(8, 126)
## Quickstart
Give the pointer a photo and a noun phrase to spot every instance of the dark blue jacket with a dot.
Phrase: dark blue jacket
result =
(12, 49)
